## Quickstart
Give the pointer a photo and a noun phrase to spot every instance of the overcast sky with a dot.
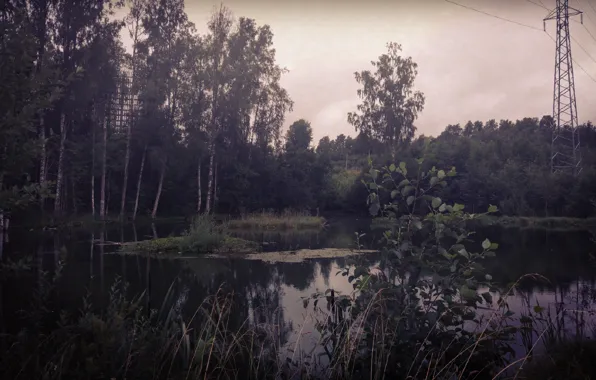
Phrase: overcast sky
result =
(470, 66)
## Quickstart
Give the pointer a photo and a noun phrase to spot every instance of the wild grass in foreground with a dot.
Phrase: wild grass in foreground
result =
(284, 221)
(128, 341)
(203, 236)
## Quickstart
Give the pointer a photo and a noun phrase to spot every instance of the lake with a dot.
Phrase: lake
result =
(273, 294)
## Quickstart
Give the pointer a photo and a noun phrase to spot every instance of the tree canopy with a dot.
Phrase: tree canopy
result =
(187, 122)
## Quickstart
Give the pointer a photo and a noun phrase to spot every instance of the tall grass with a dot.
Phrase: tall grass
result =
(284, 221)
(128, 341)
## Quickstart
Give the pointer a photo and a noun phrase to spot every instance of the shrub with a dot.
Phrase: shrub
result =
(203, 235)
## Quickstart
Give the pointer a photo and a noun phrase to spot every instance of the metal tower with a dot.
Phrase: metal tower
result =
(565, 149)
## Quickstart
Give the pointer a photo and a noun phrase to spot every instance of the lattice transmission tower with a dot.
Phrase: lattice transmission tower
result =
(122, 103)
(565, 147)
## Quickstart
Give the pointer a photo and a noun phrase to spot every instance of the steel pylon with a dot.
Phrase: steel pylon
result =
(565, 144)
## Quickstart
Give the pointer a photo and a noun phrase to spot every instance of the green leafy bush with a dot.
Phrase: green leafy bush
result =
(202, 236)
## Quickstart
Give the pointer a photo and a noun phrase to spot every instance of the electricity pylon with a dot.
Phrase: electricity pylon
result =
(565, 148)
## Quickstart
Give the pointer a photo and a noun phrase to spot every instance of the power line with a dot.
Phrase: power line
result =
(585, 51)
(494, 16)
(527, 26)
(538, 5)
(574, 62)
(587, 15)
(591, 6)
(590, 33)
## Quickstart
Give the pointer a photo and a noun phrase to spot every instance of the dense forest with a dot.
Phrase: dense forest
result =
(182, 123)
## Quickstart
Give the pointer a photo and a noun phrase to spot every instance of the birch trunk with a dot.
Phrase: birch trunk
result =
(159, 187)
(102, 196)
(42, 37)
(93, 172)
(1, 210)
(215, 188)
(199, 195)
(74, 198)
(210, 181)
(130, 116)
(134, 214)
(128, 138)
(126, 162)
(60, 176)
(43, 158)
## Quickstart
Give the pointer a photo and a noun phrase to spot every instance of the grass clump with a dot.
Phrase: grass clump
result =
(284, 221)
(202, 236)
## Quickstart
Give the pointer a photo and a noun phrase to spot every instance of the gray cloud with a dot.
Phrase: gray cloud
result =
(471, 66)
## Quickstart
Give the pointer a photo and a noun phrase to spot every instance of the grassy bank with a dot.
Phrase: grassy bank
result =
(521, 222)
(547, 223)
(203, 236)
(284, 221)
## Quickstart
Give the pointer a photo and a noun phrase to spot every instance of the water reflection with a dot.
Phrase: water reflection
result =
(271, 295)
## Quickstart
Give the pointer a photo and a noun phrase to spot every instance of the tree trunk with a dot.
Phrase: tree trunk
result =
(159, 187)
(74, 198)
(1, 210)
(91, 254)
(215, 189)
(126, 162)
(43, 158)
(108, 193)
(199, 195)
(60, 175)
(102, 196)
(127, 154)
(134, 214)
(41, 38)
(210, 181)
(93, 172)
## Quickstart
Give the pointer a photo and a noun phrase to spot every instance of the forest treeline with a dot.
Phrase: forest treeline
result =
(184, 123)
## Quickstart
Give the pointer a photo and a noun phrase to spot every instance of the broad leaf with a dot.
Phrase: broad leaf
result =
(486, 244)
(374, 209)
(374, 174)
(467, 293)
(406, 190)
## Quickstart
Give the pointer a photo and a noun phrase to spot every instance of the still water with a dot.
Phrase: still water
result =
(272, 293)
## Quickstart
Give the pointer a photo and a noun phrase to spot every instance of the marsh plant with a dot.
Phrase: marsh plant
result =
(127, 339)
(429, 309)
(203, 235)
